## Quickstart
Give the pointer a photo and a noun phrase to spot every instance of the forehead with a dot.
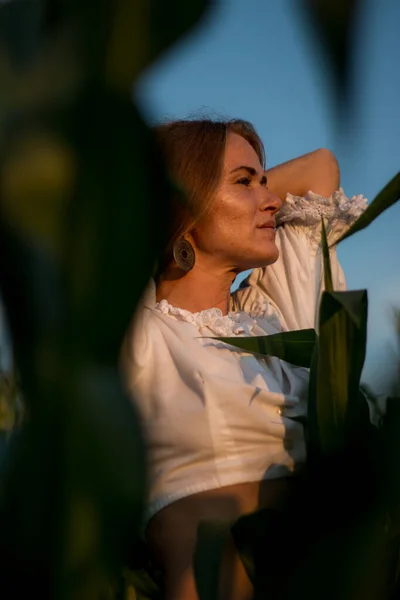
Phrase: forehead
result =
(238, 152)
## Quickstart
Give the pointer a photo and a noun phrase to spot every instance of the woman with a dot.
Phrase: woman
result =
(221, 439)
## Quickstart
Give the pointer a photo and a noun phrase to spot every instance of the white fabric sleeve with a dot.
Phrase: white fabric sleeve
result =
(135, 355)
(292, 286)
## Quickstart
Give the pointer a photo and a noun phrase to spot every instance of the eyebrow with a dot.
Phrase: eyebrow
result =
(250, 170)
(244, 168)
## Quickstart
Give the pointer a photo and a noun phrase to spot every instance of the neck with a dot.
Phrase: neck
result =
(198, 289)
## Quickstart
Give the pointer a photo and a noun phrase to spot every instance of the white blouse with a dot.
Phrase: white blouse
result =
(214, 415)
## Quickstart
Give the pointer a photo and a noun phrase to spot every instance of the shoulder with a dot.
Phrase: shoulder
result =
(158, 334)
(137, 347)
(141, 337)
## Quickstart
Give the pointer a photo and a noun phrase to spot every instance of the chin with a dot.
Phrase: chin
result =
(255, 260)
(261, 260)
(268, 258)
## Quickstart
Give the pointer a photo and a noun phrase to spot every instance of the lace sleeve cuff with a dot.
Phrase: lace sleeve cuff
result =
(338, 211)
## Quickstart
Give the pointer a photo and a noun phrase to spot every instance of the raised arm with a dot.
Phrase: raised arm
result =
(317, 171)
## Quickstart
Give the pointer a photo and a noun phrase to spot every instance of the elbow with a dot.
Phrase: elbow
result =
(328, 179)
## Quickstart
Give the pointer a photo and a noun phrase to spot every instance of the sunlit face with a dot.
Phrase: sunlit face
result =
(239, 233)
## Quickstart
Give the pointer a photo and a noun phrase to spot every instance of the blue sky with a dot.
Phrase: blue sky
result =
(259, 60)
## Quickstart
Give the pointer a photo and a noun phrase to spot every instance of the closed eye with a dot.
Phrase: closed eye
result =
(244, 181)
(247, 181)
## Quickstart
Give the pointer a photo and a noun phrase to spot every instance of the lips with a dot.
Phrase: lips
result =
(268, 225)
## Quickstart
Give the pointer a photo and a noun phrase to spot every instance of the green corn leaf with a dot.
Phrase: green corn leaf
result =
(341, 354)
(386, 198)
(295, 347)
(139, 585)
(334, 22)
(326, 259)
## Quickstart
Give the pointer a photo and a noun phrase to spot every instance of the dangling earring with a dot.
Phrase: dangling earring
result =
(184, 254)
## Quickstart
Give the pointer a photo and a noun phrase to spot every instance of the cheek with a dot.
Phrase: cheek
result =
(234, 210)
(231, 221)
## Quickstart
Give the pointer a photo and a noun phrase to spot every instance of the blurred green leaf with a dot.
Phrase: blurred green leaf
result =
(386, 198)
(326, 259)
(83, 194)
(38, 177)
(127, 55)
(8, 403)
(334, 22)
(77, 466)
(125, 37)
(20, 30)
(119, 211)
(84, 206)
(295, 347)
(138, 585)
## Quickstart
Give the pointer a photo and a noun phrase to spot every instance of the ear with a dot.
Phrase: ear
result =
(192, 237)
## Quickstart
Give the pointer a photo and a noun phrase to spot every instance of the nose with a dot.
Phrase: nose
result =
(271, 203)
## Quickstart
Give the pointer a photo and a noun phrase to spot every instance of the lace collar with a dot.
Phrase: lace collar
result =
(212, 319)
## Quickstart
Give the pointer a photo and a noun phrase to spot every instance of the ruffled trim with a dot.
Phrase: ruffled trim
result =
(339, 211)
(212, 319)
(256, 305)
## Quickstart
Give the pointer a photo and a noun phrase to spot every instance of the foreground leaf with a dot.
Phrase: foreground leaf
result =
(128, 54)
(386, 198)
(334, 22)
(326, 258)
(139, 585)
(334, 408)
(295, 347)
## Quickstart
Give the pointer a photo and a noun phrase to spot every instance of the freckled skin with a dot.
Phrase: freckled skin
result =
(231, 232)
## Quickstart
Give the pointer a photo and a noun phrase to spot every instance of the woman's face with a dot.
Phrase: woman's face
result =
(238, 232)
